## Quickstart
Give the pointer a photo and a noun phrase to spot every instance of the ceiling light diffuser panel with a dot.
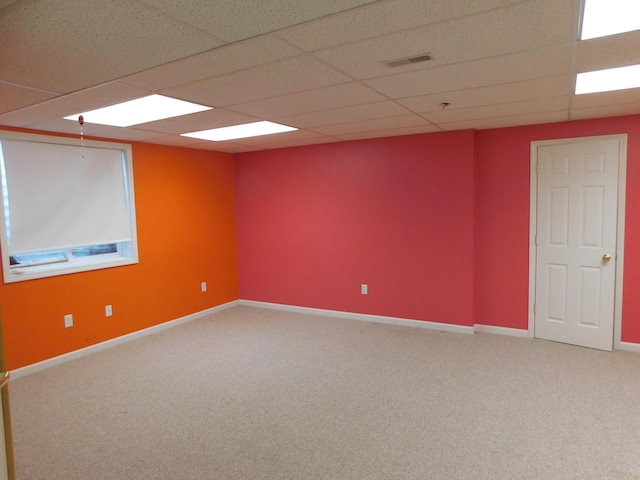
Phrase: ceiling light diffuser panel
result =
(620, 78)
(246, 130)
(609, 17)
(140, 110)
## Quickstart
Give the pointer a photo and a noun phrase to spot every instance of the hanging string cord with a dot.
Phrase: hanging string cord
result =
(81, 122)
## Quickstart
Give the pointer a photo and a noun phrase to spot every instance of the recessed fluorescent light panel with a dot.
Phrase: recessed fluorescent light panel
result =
(609, 17)
(140, 110)
(608, 80)
(240, 131)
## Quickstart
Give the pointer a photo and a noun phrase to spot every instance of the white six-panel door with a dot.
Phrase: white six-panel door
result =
(576, 229)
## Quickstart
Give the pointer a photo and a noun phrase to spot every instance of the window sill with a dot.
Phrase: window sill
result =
(20, 274)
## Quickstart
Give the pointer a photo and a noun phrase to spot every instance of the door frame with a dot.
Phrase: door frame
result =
(533, 213)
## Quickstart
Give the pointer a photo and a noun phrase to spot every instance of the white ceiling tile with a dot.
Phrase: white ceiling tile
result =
(179, 141)
(504, 93)
(316, 100)
(13, 97)
(65, 126)
(280, 78)
(605, 111)
(395, 132)
(522, 27)
(197, 121)
(21, 118)
(226, 147)
(480, 73)
(373, 125)
(381, 18)
(299, 142)
(6, 3)
(263, 140)
(498, 62)
(539, 105)
(66, 46)
(221, 60)
(234, 20)
(602, 99)
(89, 99)
(346, 114)
(504, 122)
(174, 140)
(131, 134)
(608, 52)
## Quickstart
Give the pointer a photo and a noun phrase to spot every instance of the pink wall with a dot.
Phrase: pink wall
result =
(436, 224)
(502, 219)
(314, 223)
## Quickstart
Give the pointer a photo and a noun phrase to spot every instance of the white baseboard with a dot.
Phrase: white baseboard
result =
(512, 332)
(443, 327)
(631, 347)
(51, 362)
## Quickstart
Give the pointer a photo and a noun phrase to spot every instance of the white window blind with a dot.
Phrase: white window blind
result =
(64, 196)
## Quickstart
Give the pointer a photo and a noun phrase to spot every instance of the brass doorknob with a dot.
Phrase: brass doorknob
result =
(606, 257)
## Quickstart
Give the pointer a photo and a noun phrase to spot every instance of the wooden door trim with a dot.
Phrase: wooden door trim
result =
(622, 184)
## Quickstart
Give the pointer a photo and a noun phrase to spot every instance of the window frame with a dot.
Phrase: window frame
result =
(127, 253)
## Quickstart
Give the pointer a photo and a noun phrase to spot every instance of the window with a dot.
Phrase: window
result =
(67, 207)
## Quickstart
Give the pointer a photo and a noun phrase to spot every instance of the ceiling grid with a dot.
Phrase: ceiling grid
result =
(317, 66)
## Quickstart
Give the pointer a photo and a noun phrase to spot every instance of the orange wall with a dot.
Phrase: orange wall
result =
(371, 211)
(185, 209)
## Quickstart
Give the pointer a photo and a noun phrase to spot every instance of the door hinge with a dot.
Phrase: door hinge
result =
(534, 308)
(537, 167)
(535, 239)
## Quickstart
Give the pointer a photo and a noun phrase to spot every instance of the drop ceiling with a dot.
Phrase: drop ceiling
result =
(315, 65)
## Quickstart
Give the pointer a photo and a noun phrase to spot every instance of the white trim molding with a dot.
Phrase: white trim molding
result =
(621, 213)
(52, 362)
(511, 332)
(405, 322)
(629, 347)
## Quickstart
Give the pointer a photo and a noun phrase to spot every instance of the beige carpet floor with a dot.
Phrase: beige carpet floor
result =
(250, 393)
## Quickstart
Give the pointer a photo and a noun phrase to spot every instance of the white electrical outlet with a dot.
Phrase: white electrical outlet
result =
(203, 286)
(108, 311)
(364, 289)
(68, 321)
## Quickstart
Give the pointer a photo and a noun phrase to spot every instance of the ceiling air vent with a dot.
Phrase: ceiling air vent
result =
(407, 60)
